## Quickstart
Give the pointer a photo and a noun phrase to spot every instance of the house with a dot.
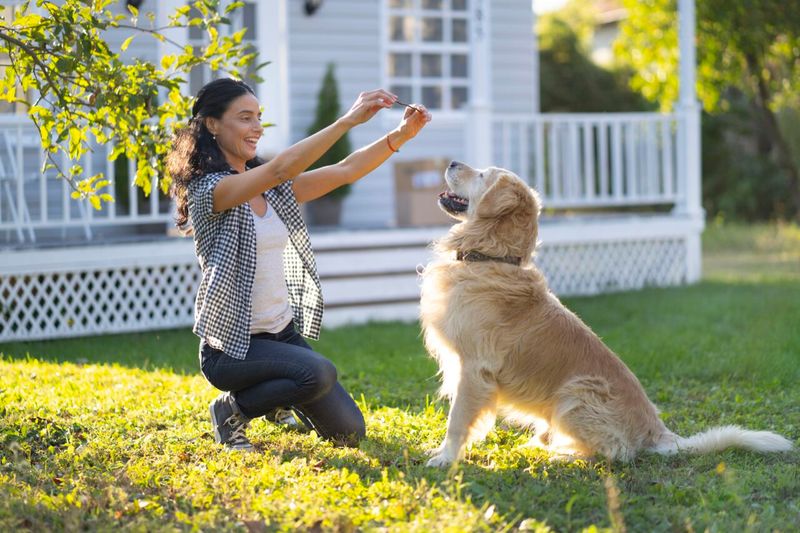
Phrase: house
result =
(621, 191)
(609, 15)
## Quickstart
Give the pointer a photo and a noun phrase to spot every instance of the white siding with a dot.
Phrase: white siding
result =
(346, 33)
(513, 47)
(349, 34)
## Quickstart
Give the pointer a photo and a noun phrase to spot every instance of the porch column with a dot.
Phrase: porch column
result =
(273, 93)
(479, 118)
(689, 162)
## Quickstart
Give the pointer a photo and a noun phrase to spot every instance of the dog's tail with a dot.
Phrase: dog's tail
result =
(720, 438)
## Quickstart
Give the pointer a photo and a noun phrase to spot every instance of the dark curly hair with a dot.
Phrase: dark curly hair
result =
(194, 150)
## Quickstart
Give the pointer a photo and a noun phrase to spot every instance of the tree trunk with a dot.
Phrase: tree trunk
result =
(773, 131)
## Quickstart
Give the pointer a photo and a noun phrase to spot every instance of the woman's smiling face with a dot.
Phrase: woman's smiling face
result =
(238, 130)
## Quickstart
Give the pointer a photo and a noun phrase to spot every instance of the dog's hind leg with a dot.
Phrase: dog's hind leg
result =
(472, 415)
(587, 412)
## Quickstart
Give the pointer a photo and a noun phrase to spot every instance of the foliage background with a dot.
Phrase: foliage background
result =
(78, 90)
(748, 83)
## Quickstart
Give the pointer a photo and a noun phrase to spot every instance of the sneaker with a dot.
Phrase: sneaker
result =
(229, 423)
(282, 416)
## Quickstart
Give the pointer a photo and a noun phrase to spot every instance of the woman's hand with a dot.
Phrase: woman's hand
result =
(366, 105)
(414, 119)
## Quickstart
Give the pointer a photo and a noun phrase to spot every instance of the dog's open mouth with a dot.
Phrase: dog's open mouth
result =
(452, 203)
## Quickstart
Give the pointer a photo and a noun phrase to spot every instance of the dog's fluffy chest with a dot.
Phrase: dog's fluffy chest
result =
(460, 299)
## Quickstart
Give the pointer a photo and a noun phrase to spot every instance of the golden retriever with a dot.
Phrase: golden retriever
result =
(505, 343)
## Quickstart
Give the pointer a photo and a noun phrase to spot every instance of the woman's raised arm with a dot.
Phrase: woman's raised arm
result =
(236, 189)
(315, 183)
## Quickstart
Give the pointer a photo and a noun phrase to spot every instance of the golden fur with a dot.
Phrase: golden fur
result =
(505, 343)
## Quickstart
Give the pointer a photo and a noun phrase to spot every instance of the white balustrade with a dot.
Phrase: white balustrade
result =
(575, 160)
(588, 160)
(32, 200)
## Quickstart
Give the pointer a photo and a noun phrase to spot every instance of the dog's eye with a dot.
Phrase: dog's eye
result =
(480, 175)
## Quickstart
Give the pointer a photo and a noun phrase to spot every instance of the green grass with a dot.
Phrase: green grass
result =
(111, 432)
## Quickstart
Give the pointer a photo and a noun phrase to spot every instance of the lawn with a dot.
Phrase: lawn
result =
(111, 432)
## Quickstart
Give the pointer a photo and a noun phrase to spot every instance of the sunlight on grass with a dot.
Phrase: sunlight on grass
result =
(90, 446)
(111, 432)
(756, 252)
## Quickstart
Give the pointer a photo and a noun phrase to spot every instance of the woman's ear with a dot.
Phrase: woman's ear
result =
(211, 125)
(502, 198)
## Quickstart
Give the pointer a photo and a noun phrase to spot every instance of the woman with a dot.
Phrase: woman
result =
(259, 289)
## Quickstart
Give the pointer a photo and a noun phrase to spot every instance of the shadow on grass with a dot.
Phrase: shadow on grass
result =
(171, 350)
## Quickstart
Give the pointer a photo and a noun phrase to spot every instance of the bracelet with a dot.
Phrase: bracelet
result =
(390, 145)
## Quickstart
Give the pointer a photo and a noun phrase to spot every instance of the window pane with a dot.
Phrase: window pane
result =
(401, 28)
(459, 97)
(249, 76)
(431, 4)
(432, 97)
(403, 92)
(460, 31)
(400, 65)
(431, 65)
(459, 5)
(197, 76)
(249, 21)
(432, 29)
(459, 66)
(400, 3)
(195, 32)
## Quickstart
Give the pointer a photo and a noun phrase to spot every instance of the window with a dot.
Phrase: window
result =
(244, 17)
(428, 52)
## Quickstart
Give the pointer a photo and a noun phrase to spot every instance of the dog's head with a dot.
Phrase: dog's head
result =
(498, 211)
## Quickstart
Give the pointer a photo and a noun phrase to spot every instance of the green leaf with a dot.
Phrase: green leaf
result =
(233, 6)
(126, 43)
(92, 94)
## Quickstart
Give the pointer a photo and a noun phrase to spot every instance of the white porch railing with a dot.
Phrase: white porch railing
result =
(580, 160)
(587, 160)
(32, 200)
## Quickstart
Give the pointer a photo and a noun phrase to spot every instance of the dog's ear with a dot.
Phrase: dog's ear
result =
(504, 196)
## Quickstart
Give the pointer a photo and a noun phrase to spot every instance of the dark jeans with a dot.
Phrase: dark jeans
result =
(282, 370)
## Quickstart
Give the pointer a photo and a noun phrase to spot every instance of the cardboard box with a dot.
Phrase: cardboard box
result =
(417, 185)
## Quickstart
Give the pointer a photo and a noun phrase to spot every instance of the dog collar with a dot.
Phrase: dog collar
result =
(473, 256)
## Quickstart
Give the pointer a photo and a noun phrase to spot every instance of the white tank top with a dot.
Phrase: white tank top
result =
(270, 299)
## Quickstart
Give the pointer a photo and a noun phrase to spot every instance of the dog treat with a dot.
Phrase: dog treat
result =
(408, 106)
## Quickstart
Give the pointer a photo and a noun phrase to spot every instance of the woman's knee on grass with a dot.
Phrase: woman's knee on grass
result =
(321, 377)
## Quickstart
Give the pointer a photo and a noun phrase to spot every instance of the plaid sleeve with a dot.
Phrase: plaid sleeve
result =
(201, 196)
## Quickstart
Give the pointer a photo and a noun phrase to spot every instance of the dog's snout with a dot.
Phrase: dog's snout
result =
(454, 164)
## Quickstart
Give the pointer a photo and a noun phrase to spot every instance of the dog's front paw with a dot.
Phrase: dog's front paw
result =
(435, 451)
(439, 460)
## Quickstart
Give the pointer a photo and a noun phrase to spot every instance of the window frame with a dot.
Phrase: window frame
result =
(417, 48)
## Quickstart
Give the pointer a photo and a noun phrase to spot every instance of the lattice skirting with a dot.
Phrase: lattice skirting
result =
(107, 289)
(64, 304)
(593, 268)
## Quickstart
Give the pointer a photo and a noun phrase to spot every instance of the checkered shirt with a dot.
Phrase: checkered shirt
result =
(225, 244)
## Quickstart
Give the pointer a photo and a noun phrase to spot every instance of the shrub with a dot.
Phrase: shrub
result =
(326, 114)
